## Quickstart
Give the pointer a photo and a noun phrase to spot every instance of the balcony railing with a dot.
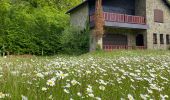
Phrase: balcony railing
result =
(122, 18)
(113, 47)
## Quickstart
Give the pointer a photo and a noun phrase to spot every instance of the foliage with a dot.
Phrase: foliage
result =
(120, 75)
(33, 26)
(75, 41)
(98, 48)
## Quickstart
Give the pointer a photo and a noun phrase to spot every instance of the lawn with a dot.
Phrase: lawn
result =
(117, 75)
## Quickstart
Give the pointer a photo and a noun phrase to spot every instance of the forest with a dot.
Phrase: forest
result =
(39, 27)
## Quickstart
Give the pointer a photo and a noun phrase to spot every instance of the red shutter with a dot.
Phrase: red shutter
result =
(158, 16)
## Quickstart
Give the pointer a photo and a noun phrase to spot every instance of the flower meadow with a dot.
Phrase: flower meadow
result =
(119, 75)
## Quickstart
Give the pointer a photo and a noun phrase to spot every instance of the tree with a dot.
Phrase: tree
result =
(99, 22)
(33, 26)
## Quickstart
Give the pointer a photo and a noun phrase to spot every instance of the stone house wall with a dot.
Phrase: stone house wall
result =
(140, 10)
(131, 34)
(79, 17)
(159, 28)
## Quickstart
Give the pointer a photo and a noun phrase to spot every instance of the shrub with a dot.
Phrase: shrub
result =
(75, 41)
(98, 48)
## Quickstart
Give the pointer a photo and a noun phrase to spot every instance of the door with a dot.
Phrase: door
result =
(139, 40)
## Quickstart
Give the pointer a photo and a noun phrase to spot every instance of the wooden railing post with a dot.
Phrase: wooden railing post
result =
(112, 47)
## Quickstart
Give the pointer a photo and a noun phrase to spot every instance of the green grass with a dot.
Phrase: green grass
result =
(140, 74)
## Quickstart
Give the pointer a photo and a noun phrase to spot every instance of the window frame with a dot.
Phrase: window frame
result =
(167, 39)
(161, 38)
(155, 39)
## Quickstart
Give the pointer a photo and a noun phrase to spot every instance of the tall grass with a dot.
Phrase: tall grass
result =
(99, 75)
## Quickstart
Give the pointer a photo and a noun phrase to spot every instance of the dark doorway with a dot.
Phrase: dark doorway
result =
(139, 40)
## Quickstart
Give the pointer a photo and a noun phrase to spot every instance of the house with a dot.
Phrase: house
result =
(124, 24)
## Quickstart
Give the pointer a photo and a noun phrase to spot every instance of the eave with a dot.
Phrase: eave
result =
(76, 7)
(80, 5)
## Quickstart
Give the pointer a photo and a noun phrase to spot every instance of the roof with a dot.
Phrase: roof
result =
(84, 2)
(167, 2)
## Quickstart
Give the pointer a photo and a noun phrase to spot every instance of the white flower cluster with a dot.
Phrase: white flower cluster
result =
(87, 77)
(2, 95)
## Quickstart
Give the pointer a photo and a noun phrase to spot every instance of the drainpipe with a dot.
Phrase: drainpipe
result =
(99, 23)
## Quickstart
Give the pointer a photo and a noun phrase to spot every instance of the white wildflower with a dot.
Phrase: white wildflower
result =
(88, 72)
(74, 82)
(67, 85)
(91, 95)
(2, 95)
(44, 89)
(130, 97)
(66, 91)
(15, 73)
(144, 97)
(71, 99)
(155, 87)
(102, 88)
(40, 75)
(102, 82)
(89, 89)
(50, 97)
(149, 91)
(1, 76)
(61, 75)
(163, 97)
(122, 99)
(24, 97)
(50, 83)
(7, 95)
(53, 79)
(79, 94)
(98, 98)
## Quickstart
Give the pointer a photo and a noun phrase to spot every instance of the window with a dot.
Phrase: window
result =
(161, 39)
(158, 16)
(155, 38)
(167, 39)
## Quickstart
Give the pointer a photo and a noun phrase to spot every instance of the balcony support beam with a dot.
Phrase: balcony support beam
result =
(125, 25)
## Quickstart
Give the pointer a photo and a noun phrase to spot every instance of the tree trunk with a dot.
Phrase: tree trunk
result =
(99, 23)
(99, 18)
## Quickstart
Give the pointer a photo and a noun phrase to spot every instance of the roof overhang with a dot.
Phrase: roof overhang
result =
(80, 5)
(167, 2)
(74, 8)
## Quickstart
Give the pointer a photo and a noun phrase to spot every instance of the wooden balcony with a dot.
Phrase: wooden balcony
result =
(122, 18)
(114, 47)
